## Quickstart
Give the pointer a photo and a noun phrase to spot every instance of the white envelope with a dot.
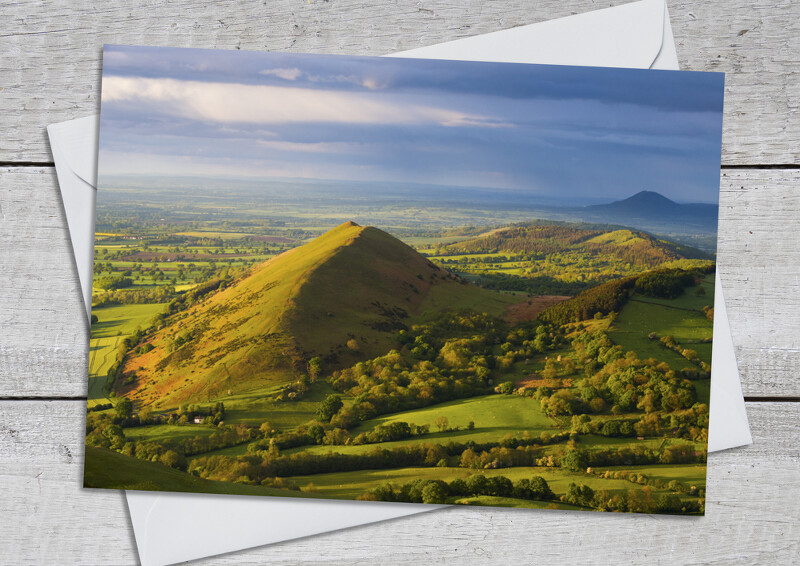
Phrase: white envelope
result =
(636, 35)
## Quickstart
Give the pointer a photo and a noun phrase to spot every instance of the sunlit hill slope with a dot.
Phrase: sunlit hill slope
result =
(631, 246)
(342, 296)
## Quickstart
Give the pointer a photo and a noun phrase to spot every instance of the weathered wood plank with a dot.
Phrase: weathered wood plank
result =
(50, 52)
(751, 516)
(43, 350)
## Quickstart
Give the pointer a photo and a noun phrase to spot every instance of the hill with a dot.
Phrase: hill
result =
(538, 240)
(112, 470)
(650, 210)
(342, 297)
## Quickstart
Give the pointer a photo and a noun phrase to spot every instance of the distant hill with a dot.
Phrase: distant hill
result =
(629, 246)
(343, 297)
(652, 211)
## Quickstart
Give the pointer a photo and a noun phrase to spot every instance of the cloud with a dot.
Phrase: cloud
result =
(263, 104)
(371, 83)
(285, 74)
(314, 147)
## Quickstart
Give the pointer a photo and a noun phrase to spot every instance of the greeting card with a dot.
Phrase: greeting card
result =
(403, 280)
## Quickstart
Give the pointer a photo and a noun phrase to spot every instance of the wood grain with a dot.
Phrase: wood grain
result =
(44, 349)
(751, 516)
(50, 71)
(50, 51)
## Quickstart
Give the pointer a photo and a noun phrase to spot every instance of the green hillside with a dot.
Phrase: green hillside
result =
(629, 246)
(112, 470)
(343, 297)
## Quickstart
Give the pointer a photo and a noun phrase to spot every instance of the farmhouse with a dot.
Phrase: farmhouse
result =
(198, 420)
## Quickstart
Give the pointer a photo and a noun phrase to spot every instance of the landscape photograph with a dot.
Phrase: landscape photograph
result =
(417, 281)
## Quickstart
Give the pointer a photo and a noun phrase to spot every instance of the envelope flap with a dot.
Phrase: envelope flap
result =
(77, 142)
(627, 36)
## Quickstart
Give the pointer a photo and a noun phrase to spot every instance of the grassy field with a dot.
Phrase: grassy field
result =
(495, 416)
(255, 407)
(160, 433)
(124, 319)
(688, 474)
(231, 451)
(114, 324)
(681, 318)
(349, 485)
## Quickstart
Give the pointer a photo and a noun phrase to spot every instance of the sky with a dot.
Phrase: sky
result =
(572, 133)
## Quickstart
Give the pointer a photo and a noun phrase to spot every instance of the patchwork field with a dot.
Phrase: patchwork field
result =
(294, 379)
(681, 318)
(114, 324)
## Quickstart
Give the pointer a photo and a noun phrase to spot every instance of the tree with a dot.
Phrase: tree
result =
(173, 460)
(329, 407)
(476, 485)
(506, 388)
(499, 486)
(266, 429)
(124, 408)
(579, 495)
(441, 423)
(575, 460)
(314, 368)
(144, 414)
(434, 492)
(611, 428)
(539, 488)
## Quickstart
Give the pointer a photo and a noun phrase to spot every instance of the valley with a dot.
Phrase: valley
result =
(526, 362)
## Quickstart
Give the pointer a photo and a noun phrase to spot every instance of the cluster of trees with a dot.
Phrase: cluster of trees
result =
(447, 358)
(212, 414)
(389, 432)
(533, 489)
(438, 491)
(259, 466)
(603, 299)
(526, 341)
(691, 355)
(225, 437)
(619, 380)
(535, 284)
(111, 282)
(102, 432)
(107, 431)
(150, 295)
(264, 459)
(500, 457)
(664, 283)
(691, 424)
(642, 479)
(579, 460)
(611, 296)
(631, 501)
(327, 434)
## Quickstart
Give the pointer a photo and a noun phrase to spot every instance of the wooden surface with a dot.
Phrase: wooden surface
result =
(49, 72)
